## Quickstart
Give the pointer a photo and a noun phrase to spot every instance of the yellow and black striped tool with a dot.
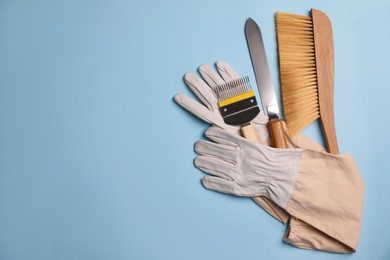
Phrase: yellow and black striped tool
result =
(238, 106)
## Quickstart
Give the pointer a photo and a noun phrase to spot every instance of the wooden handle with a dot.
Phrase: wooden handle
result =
(329, 130)
(276, 130)
(249, 132)
(324, 51)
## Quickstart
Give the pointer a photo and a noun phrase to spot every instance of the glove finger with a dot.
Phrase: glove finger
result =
(226, 71)
(221, 151)
(196, 108)
(218, 184)
(201, 90)
(212, 78)
(214, 166)
(223, 137)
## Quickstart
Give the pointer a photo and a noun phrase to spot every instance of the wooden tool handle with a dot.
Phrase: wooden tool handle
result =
(329, 131)
(276, 130)
(249, 132)
(324, 51)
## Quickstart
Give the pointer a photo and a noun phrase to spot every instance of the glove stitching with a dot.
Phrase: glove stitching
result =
(235, 146)
(233, 163)
(206, 169)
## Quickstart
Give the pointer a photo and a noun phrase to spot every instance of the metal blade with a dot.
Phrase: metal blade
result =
(261, 69)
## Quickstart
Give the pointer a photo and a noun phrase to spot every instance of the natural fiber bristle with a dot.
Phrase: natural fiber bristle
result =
(297, 70)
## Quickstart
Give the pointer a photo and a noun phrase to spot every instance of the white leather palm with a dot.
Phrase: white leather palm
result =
(243, 168)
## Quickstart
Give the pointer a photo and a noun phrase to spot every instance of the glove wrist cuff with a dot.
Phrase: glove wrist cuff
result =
(283, 173)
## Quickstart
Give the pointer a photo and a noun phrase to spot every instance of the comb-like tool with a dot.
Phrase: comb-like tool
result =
(238, 105)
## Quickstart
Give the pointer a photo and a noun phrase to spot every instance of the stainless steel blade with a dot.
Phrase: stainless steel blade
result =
(261, 69)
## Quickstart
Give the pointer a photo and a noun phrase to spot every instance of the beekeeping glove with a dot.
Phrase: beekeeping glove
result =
(208, 111)
(325, 191)
(243, 168)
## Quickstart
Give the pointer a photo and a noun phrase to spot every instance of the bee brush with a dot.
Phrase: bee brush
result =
(306, 59)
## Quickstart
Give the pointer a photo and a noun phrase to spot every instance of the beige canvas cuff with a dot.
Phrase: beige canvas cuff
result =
(328, 196)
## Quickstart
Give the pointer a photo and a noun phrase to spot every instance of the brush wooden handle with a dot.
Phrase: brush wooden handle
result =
(324, 53)
(276, 130)
(249, 132)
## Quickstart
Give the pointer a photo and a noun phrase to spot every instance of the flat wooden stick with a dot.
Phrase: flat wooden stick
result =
(249, 132)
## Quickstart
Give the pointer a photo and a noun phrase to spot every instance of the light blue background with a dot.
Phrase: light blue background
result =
(96, 160)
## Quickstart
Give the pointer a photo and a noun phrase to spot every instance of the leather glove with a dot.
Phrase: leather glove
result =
(208, 111)
(324, 191)
(243, 168)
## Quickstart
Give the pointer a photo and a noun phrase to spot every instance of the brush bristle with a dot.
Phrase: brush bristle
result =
(298, 72)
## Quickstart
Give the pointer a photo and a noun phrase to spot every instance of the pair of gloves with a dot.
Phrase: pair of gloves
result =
(321, 195)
